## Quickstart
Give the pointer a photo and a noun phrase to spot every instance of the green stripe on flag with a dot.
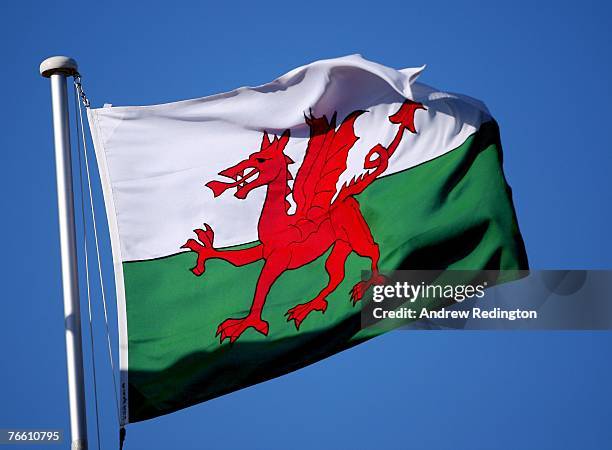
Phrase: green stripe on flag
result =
(452, 212)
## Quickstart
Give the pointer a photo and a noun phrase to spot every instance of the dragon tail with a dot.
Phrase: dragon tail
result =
(376, 162)
(377, 159)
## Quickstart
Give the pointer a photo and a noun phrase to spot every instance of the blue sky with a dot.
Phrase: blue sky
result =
(543, 68)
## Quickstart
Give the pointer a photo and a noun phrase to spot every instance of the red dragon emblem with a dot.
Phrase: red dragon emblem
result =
(322, 220)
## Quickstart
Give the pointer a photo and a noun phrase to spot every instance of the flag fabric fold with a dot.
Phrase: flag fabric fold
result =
(241, 223)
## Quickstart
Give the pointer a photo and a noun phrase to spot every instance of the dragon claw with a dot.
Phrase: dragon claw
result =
(362, 287)
(358, 291)
(206, 235)
(299, 312)
(209, 233)
(232, 328)
(204, 248)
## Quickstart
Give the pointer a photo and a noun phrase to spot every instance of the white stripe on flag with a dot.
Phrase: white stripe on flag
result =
(157, 158)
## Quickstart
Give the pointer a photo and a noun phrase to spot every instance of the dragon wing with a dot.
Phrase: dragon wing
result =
(324, 162)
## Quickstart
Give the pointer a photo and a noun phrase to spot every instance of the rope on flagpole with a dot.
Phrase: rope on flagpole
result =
(80, 93)
(85, 102)
(86, 257)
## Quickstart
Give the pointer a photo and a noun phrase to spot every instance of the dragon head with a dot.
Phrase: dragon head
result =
(259, 169)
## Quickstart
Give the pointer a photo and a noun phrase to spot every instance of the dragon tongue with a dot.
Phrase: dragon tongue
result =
(217, 187)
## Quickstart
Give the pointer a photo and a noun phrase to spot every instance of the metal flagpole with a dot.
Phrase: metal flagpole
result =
(57, 69)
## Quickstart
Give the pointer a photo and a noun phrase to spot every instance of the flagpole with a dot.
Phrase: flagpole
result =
(57, 68)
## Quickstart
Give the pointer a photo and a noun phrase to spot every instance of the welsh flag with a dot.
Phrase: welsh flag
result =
(241, 223)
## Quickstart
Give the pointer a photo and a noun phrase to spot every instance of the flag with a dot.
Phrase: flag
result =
(241, 222)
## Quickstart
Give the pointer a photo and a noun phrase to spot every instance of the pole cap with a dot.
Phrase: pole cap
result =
(58, 64)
